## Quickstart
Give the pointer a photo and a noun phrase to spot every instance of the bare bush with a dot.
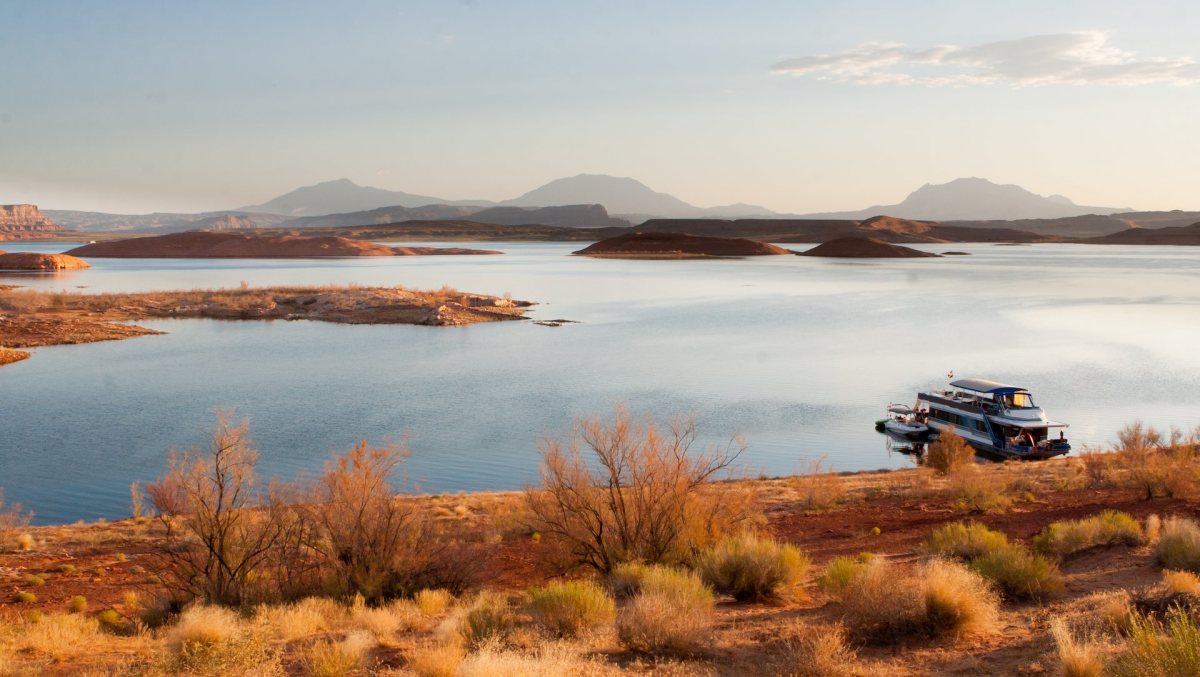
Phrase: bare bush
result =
(12, 519)
(210, 504)
(639, 495)
(949, 453)
(820, 488)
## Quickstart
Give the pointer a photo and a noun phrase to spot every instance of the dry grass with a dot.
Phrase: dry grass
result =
(301, 619)
(488, 617)
(750, 566)
(210, 640)
(1076, 658)
(1160, 649)
(819, 487)
(551, 660)
(59, 637)
(12, 519)
(840, 573)
(433, 602)
(672, 611)
(436, 660)
(340, 658)
(1068, 537)
(819, 651)
(1019, 573)
(882, 604)
(1181, 583)
(571, 608)
(964, 540)
(977, 490)
(1179, 545)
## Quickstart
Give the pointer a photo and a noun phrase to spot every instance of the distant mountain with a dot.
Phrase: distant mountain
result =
(623, 196)
(975, 199)
(342, 196)
(575, 216)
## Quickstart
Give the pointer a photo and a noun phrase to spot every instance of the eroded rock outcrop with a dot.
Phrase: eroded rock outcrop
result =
(235, 245)
(865, 248)
(677, 246)
(36, 261)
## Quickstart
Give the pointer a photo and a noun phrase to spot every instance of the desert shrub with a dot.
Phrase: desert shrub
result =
(24, 597)
(571, 608)
(58, 636)
(209, 505)
(964, 540)
(1110, 527)
(977, 490)
(77, 604)
(1179, 545)
(640, 495)
(12, 519)
(380, 622)
(548, 660)
(945, 598)
(840, 572)
(957, 600)
(625, 579)
(1160, 649)
(433, 602)
(1019, 573)
(672, 611)
(820, 488)
(814, 651)
(33, 580)
(25, 542)
(487, 617)
(300, 619)
(210, 640)
(1076, 658)
(1181, 583)
(949, 453)
(337, 659)
(438, 660)
(749, 566)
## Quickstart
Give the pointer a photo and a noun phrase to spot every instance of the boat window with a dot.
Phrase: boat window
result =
(1022, 400)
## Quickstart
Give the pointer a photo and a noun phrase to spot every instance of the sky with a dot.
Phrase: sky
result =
(130, 106)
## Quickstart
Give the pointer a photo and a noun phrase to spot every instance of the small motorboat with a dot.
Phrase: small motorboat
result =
(903, 421)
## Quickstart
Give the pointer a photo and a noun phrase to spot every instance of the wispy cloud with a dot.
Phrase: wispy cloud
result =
(1084, 57)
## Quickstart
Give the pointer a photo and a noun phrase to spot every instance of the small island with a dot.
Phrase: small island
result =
(40, 262)
(36, 318)
(228, 245)
(865, 248)
(677, 246)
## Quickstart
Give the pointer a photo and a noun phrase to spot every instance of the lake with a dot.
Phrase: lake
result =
(798, 355)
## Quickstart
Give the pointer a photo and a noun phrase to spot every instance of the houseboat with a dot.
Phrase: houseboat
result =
(994, 418)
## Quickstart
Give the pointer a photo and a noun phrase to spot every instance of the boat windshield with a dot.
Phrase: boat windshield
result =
(1017, 400)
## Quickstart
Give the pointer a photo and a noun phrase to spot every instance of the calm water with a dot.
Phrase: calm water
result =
(798, 355)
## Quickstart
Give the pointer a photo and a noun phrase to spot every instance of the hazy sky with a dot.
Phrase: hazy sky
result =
(797, 106)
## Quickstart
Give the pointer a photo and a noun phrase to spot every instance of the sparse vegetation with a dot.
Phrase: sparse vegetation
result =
(571, 608)
(752, 567)
(949, 453)
(1179, 544)
(819, 652)
(1160, 649)
(1076, 658)
(642, 495)
(338, 658)
(840, 573)
(820, 488)
(1068, 537)
(964, 540)
(487, 617)
(1010, 566)
(672, 611)
(12, 519)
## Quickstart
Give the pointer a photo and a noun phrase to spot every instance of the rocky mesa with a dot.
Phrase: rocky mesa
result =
(677, 246)
(25, 221)
(865, 248)
(234, 245)
(36, 261)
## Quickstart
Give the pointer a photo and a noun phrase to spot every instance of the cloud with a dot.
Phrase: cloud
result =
(1080, 58)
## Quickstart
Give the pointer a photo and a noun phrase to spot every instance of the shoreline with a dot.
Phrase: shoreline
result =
(31, 319)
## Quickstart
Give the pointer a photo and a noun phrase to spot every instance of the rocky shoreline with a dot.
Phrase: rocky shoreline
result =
(32, 318)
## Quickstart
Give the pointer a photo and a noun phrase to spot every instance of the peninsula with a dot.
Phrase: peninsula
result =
(230, 245)
(36, 318)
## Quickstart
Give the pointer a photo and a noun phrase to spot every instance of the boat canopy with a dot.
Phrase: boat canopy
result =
(982, 385)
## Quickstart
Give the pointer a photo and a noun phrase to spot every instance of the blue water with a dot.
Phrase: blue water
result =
(798, 355)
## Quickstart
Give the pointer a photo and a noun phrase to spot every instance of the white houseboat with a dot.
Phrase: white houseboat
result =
(995, 418)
